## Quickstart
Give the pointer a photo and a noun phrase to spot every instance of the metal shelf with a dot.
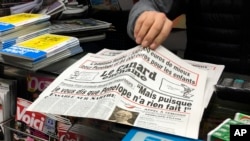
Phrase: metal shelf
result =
(8, 124)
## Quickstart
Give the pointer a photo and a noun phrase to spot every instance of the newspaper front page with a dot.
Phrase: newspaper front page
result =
(152, 89)
(214, 72)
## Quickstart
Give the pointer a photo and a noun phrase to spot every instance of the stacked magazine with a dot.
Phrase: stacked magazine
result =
(49, 7)
(78, 25)
(114, 5)
(150, 89)
(7, 103)
(85, 30)
(20, 27)
(40, 51)
(12, 23)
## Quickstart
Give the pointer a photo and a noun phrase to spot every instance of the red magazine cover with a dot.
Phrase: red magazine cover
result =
(36, 83)
(64, 135)
(33, 123)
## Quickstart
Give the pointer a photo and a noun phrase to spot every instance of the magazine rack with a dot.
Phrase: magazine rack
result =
(103, 129)
(8, 125)
(97, 130)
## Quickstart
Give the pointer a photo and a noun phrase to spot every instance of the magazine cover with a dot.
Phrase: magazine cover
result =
(15, 22)
(114, 5)
(140, 134)
(242, 117)
(32, 123)
(36, 83)
(40, 47)
(78, 25)
(105, 4)
(63, 133)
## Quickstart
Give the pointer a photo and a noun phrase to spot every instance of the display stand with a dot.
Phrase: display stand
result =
(8, 71)
(7, 125)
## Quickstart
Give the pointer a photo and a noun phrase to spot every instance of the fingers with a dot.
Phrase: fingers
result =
(142, 26)
(151, 29)
(161, 36)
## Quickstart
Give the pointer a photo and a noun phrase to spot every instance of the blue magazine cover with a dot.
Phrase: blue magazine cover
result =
(105, 4)
(6, 26)
(139, 134)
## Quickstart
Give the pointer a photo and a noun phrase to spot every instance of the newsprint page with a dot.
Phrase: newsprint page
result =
(161, 91)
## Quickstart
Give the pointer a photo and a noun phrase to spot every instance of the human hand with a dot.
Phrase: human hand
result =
(152, 28)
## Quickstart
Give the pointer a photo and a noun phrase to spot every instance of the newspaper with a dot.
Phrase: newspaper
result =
(154, 89)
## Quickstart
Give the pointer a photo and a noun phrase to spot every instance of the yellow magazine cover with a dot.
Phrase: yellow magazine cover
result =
(40, 47)
(10, 22)
(44, 42)
(17, 18)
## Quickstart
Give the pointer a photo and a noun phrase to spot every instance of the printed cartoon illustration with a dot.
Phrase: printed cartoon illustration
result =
(187, 91)
(84, 76)
(176, 89)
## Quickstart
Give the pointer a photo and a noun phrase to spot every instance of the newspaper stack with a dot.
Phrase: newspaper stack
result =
(151, 89)
(40, 51)
(20, 27)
